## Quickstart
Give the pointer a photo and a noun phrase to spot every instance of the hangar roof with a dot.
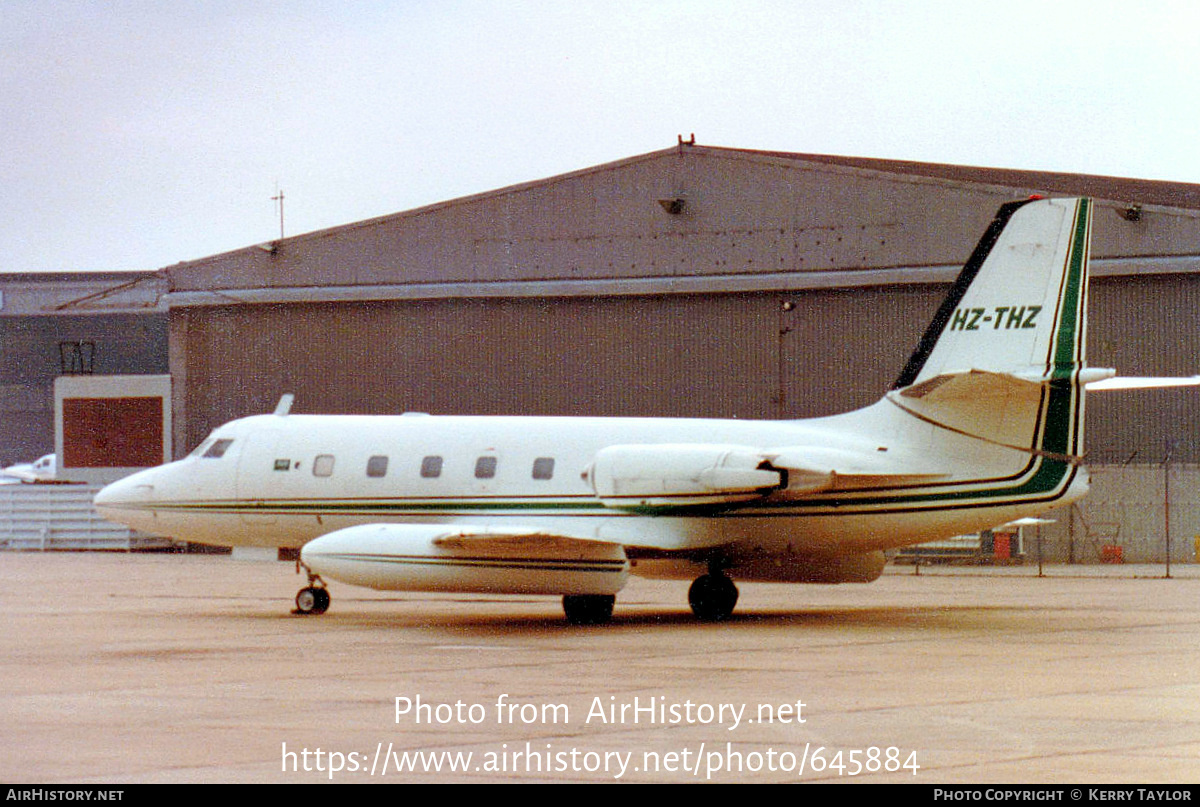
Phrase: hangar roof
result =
(743, 220)
(64, 293)
(1143, 191)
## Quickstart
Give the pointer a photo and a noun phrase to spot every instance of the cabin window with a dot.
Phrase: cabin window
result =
(543, 468)
(323, 465)
(217, 449)
(485, 467)
(377, 466)
(431, 467)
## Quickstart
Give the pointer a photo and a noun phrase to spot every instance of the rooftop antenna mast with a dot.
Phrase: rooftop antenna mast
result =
(278, 197)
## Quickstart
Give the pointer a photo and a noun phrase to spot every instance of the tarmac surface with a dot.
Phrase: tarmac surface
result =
(125, 669)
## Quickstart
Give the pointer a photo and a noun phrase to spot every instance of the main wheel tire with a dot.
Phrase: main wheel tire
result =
(312, 600)
(588, 609)
(712, 597)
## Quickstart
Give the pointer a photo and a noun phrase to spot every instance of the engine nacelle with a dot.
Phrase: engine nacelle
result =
(433, 557)
(655, 475)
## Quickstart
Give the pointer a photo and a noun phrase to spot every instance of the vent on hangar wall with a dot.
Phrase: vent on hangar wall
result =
(77, 358)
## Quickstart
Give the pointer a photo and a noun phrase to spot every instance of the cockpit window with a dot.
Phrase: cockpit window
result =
(217, 449)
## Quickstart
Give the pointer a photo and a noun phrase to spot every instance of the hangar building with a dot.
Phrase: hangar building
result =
(70, 323)
(691, 281)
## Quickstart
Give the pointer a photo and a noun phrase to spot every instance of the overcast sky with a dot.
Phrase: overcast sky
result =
(138, 134)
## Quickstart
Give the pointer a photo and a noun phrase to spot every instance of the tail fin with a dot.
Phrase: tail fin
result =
(1003, 360)
(1018, 305)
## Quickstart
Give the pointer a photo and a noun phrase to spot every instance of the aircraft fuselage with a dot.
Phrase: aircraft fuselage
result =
(286, 480)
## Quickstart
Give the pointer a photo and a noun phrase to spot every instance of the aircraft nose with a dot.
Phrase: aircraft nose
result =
(129, 490)
(130, 501)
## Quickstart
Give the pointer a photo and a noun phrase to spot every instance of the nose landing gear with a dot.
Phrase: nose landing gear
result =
(313, 599)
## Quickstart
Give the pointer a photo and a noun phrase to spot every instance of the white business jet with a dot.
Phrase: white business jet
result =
(984, 426)
(40, 471)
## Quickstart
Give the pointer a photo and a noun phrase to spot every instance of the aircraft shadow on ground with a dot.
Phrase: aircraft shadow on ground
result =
(410, 614)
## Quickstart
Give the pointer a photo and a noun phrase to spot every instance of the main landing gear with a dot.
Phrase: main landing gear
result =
(312, 600)
(588, 609)
(713, 596)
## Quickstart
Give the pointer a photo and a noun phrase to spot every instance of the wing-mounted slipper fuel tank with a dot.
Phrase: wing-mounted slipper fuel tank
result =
(431, 557)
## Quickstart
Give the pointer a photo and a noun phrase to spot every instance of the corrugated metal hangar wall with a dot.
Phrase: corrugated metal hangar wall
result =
(54, 324)
(693, 281)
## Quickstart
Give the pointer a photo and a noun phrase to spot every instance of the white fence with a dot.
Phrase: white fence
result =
(61, 517)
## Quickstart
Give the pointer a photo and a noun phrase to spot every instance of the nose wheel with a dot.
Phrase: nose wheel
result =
(313, 599)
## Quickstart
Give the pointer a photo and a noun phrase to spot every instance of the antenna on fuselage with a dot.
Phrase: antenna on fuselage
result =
(285, 404)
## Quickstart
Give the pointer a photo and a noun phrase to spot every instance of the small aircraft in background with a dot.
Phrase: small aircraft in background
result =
(42, 470)
(983, 426)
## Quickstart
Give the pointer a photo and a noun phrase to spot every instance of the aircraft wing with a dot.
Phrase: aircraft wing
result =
(558, 540)
(510, 539)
